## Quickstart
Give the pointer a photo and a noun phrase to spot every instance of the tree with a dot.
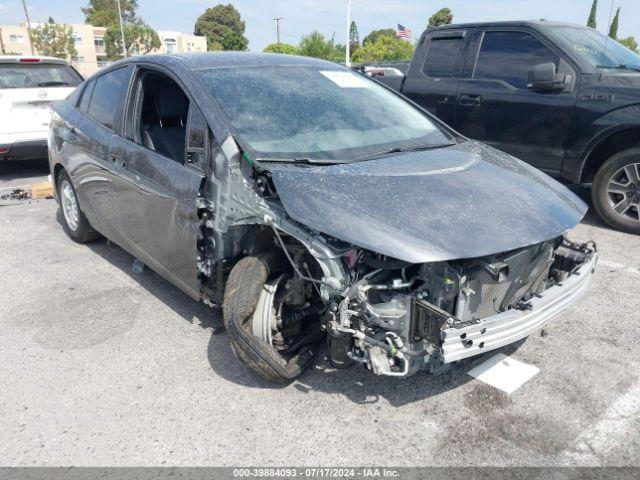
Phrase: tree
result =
(104, 13)
(613, 28)
(375, 34)
(285, 48)
(384, 49)
(54, 40)
(441, 17)
(223, 27)
(315, 45)
(139, 39)
(630, 43)
(591, 22)
(354, 38)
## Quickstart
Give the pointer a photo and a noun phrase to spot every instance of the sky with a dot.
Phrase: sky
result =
(329, 16)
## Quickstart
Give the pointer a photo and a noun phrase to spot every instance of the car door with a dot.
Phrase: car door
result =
(433, 77)
(496, 105)
(86, 142)
(154, 196)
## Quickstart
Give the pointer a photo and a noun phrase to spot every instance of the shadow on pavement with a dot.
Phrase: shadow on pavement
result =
(18, 169)
(591, 218)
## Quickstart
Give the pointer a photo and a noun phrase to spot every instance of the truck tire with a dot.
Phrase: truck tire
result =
(241, 295)
(616, 191)
(74, 222)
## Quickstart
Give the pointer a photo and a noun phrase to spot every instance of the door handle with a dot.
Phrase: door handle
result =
(117, 161)
(470, 100)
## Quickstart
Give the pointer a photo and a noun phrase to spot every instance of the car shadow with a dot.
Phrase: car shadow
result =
(591, 218)
(355, 383)
(17, 169)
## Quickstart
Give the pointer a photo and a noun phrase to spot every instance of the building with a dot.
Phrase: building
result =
(174, 42)
(89, 42)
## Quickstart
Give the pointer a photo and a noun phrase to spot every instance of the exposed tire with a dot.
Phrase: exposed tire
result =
(620, 173)
(242, 292)
(74, 222)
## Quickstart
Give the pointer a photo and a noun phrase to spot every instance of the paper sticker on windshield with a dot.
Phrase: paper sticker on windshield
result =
(345, 79)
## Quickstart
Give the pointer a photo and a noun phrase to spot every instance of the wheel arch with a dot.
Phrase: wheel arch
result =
(604, 146)
(56, 174)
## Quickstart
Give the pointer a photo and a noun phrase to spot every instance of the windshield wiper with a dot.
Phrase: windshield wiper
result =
(52, 83)
(301, 160)
(622, 66)
(401, 149)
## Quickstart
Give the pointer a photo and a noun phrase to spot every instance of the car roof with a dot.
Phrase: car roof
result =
(539, 24)
(24, 59)
(208, 60)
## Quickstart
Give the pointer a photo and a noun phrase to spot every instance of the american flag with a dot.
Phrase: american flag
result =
(403, 32)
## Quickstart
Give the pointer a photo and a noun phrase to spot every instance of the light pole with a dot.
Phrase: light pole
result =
(124, 47)
(26, 14)
(277, 20)
(348, 50)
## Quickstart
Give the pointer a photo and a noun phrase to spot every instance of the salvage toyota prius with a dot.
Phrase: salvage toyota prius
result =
(315, 207)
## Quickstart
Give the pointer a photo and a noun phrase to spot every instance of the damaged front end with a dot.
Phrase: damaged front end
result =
(400, 318)
(385, 288)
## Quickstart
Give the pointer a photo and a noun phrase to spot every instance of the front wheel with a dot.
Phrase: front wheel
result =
(74, 222)
(267, 334)
(616, 191)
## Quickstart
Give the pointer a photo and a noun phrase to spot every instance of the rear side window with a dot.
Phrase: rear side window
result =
(108, 97)
(508, 56)
(442, 57)
(37, 75)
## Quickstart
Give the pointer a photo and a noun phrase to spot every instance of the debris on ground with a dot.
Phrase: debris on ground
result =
(36, 191)
(16, 194)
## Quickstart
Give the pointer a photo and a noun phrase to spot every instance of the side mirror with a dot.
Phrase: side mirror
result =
(544, 78)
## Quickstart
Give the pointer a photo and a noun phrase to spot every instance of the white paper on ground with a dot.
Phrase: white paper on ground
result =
(504, 373)
(345, 79)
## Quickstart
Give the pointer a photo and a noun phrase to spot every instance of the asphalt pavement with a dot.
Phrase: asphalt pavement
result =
(101, 366)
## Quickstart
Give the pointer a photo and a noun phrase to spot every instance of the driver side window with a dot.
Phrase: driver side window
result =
(509, 56)
(162, 114)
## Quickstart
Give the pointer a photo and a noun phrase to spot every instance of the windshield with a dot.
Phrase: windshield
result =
(589, 45)
(317, 113)
(34, 75)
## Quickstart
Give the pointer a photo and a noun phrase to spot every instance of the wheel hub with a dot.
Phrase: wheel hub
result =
(623, 192)
(69, 203)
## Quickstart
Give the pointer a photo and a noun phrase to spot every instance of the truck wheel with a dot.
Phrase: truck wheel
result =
(616, 191)
(74, 222)
(244, 287)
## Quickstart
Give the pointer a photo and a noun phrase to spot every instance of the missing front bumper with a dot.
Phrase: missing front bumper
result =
(513, 325)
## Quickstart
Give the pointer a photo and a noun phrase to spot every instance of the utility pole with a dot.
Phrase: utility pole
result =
(26, 14)
(277, 20)
(124, 47)
(348, 50)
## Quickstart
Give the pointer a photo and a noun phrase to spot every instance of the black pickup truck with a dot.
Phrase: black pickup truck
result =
(564, 98)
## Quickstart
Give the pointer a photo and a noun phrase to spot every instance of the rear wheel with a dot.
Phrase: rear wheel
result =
(616, 191)
(272, 343)
(74, 222)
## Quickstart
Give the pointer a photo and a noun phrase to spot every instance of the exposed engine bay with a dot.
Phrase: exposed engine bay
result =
(392, 315)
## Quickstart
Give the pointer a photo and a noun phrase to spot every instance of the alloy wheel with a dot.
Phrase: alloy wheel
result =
(70, 208)
(623, 192)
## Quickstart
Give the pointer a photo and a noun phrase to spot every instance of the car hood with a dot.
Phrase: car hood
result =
(463, 201)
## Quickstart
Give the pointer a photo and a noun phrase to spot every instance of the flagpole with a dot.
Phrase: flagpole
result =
(348, 49)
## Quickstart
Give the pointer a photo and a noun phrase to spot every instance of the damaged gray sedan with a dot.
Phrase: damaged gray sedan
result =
(315, 206)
